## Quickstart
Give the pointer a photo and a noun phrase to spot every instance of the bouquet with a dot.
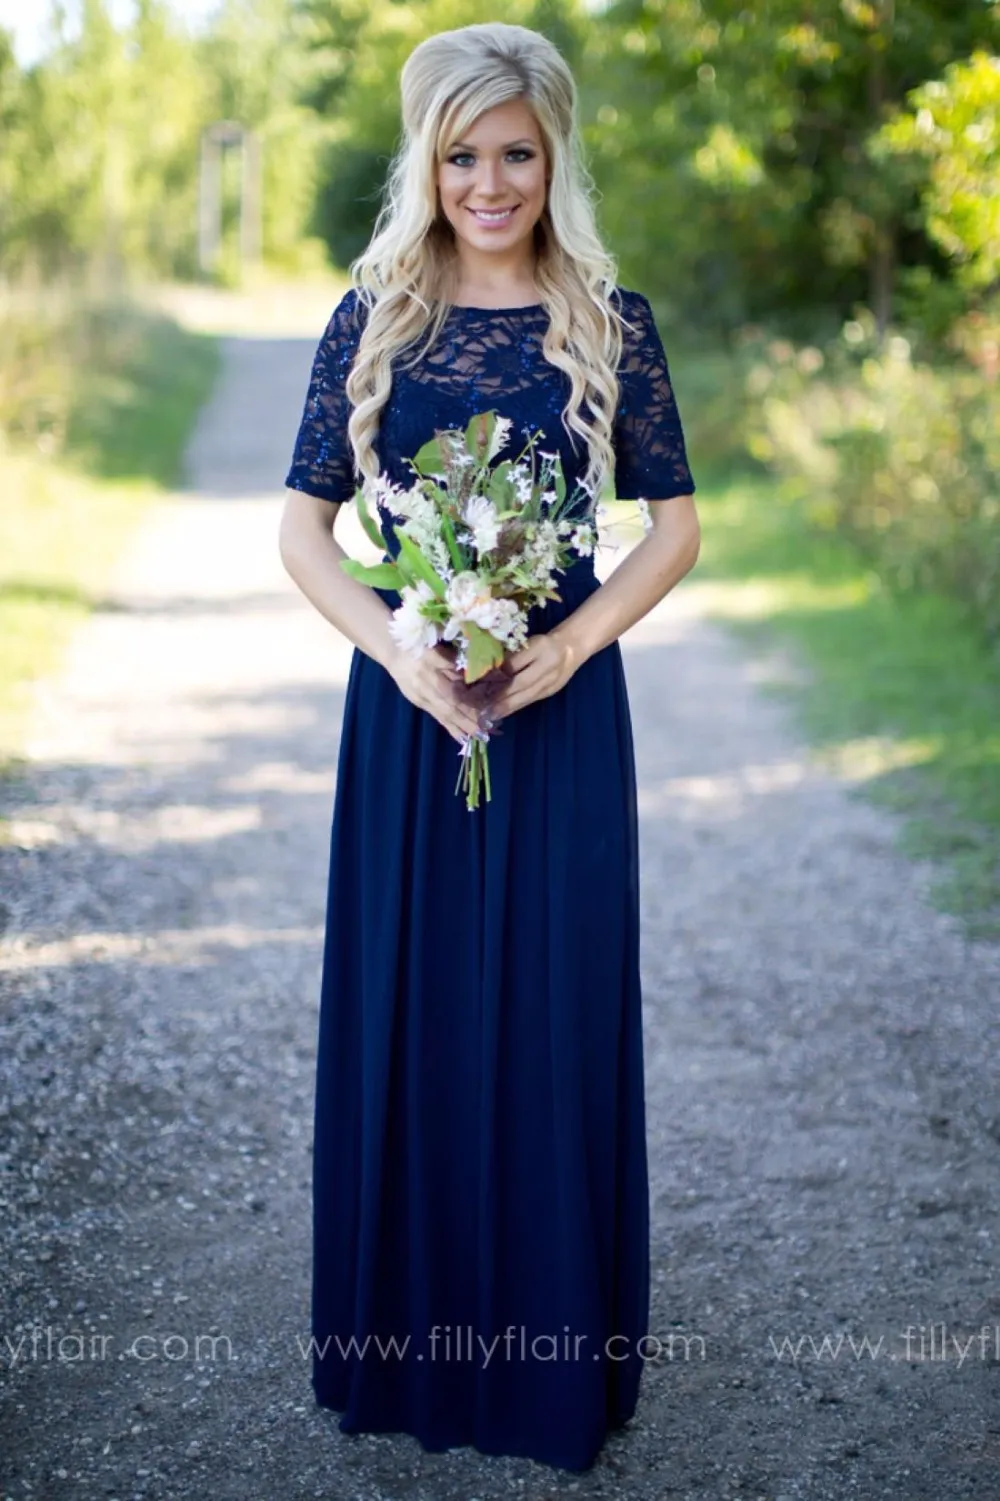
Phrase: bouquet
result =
(479, 546)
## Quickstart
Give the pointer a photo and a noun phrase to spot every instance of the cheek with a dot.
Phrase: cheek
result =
(449, 186)
(534, 182)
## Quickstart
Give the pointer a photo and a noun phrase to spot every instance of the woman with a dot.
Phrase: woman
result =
(481, 1261)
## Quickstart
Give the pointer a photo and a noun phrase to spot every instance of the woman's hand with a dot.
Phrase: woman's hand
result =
(540, 668)
(431, 682)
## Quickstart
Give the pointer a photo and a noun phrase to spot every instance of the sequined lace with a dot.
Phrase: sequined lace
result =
(492, 357)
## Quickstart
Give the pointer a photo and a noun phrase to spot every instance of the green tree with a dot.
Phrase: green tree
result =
(732, 146)
(950, 128)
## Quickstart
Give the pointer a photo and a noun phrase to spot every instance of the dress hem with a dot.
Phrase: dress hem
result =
(440, 1446)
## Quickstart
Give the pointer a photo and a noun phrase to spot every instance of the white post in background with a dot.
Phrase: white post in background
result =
(215, 139)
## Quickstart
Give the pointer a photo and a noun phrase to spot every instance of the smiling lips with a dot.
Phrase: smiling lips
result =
(493, 216)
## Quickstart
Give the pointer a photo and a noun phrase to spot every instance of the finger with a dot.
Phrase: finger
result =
(465, 721)
(461, 733)
(525, 683)
(520, 697)
(521, 660)
(453, 726)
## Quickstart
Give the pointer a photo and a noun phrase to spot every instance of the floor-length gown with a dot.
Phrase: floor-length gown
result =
(481, 1222)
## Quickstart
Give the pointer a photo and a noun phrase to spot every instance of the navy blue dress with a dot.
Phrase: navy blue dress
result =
(481, 1210)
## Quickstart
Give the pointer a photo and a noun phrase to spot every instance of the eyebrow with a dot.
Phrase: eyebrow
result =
(521, 141)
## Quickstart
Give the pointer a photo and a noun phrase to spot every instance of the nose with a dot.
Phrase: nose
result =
(491, 176)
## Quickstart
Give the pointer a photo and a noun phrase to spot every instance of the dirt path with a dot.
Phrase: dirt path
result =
(824, 1123)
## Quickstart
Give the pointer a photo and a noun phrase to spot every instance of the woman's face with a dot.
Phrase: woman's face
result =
(499, 167)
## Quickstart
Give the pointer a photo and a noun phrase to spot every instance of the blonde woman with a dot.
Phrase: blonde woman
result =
(481, 1224)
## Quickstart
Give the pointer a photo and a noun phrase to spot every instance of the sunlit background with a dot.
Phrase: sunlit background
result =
(29, 21)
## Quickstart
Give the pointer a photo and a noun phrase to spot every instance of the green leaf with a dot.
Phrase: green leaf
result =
(479, 434)
(454, 552)
(405, 571)
(411, 558)
(485, 651)
(429, 459)
(379, 575)
(371, 527)
(499, 482)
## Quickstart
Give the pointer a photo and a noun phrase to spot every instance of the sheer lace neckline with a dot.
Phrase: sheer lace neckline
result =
(527, 307)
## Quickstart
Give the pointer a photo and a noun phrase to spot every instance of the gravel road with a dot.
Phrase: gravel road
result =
(821, 1054)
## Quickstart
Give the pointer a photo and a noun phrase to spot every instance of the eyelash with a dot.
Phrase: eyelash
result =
(518, 151)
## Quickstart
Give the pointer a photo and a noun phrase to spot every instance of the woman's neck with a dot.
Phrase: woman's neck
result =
(502, 288)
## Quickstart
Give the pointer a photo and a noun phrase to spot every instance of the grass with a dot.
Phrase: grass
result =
(65, 519)
(901, 693)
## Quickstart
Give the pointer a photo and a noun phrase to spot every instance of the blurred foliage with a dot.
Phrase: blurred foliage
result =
(732, 145)
(100, 144)
(903, 458)
(97, 382)
(954, 123)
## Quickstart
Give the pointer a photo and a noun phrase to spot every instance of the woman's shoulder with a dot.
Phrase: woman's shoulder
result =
(349, 315)
(638, 323)
(631, 301)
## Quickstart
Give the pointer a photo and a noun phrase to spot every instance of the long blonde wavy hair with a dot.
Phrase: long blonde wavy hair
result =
(408, 274)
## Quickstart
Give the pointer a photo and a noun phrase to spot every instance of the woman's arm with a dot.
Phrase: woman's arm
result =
(666, 553)
(312, 555)
(548, 661)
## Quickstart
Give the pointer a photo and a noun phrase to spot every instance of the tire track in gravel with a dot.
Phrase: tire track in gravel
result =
(821, 1056)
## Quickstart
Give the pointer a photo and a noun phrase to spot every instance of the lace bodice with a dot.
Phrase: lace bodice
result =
(492, 357)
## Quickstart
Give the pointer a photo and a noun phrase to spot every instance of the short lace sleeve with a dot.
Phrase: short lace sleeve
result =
(322, 461)
(650, 456)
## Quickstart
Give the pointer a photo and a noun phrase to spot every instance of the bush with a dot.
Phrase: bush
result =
(901, 456)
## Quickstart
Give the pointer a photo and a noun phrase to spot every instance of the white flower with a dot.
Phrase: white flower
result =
(509, 623)
(522, 483)
(463, 591)
(500, 434)
(386, 495)
(418, 508)
(469, 601)
(481, 518)
(408, 627)
(582, 539)
(422, 524)
(488, 613)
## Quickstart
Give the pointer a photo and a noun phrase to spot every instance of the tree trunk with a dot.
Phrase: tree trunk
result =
(881, 262)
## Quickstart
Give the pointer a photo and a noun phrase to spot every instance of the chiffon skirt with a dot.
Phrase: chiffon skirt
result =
(480, 1192)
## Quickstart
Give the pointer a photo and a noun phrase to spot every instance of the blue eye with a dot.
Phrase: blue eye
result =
(518, 151)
